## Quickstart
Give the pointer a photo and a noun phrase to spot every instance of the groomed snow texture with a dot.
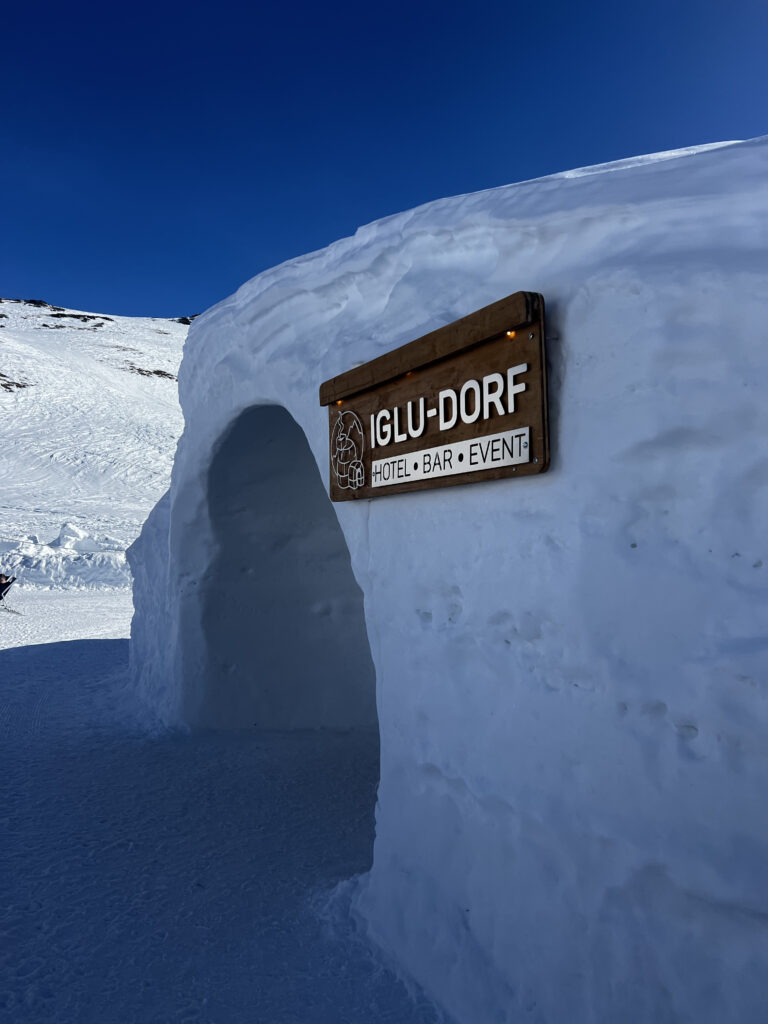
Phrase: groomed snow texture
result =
(570, 669)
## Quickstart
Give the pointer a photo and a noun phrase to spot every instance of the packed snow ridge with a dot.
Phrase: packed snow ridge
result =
(569, 668)
(90, 424)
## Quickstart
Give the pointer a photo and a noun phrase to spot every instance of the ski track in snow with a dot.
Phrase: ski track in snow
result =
(156, 877)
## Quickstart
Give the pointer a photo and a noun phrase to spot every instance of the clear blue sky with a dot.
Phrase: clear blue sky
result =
(155, 156)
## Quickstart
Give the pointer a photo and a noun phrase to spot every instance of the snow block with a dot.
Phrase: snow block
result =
(570, 669)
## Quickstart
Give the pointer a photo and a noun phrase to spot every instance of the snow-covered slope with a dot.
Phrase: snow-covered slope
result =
(571, 668)
(90, 422)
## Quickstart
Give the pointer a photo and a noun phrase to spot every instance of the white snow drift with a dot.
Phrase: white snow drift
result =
(570, 669)
(73, 559)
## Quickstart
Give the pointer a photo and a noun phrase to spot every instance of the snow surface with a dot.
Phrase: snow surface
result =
(157, 878)
(47, 616)
(571, 821)
(90, 424)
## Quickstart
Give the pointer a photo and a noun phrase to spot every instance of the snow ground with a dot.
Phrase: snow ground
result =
(48, 616)
(172, 877)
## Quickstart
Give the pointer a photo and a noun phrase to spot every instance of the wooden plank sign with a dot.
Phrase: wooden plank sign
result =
(466, 403)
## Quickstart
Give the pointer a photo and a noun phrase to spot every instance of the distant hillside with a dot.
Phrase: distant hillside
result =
(90, 420)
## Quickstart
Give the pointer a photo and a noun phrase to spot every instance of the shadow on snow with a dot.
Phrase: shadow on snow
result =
(176, 877)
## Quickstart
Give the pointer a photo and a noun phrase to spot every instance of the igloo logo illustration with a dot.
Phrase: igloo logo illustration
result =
(347, 446)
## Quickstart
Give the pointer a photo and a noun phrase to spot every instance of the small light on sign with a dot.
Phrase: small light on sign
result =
(510, 334)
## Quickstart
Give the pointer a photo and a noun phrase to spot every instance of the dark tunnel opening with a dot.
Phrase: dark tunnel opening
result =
(283, 615)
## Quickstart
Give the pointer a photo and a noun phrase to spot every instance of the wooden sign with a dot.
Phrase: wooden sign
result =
(466, 403)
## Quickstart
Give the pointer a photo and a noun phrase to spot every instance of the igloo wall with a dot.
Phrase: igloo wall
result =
(570, 669)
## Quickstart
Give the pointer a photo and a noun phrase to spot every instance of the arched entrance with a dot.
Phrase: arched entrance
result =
(282, 614)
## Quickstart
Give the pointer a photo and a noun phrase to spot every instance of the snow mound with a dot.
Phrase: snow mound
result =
(73, 559)
(570, 669)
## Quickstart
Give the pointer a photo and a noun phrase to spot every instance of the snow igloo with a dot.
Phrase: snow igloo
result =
(567, 671)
